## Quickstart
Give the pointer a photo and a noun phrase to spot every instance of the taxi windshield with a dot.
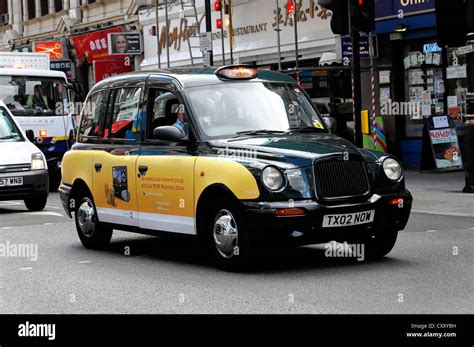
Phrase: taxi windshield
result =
(234, 109)
(9, 132)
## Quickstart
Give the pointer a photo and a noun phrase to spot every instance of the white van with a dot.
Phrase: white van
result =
(23, 168)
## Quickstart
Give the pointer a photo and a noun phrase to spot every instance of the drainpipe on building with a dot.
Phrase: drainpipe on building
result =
(469, 125)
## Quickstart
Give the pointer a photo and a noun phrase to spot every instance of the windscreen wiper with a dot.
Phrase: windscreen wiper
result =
(258, 132)
(8, 137)
(308, 129)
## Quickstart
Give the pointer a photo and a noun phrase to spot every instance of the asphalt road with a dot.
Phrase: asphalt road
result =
(429, 271)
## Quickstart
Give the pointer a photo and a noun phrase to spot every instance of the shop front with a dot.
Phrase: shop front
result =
(419, 78)
(254, 35)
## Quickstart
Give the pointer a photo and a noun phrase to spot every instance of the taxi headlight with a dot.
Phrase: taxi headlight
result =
(392, 169)
(272, 178)
(37, 162)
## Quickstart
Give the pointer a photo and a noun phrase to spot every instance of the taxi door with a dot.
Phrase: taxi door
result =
(165, 172)
(114, 165)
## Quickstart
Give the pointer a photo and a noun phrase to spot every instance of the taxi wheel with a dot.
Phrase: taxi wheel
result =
(91, 233)
(380, 244)
(229, 239)
(37, 203)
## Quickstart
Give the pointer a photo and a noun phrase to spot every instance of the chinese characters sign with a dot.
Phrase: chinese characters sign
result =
(312, 10)
(107, 68)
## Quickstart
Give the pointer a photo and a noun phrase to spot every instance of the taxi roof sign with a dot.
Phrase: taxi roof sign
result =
(237, 72)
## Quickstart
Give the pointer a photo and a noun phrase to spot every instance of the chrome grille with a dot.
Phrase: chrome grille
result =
(14, 168)
(340, 178)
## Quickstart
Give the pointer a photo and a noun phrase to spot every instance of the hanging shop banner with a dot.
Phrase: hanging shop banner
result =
(107, 68)
(124, 43)
(53, 48)
(395, 8)
(93, 46)
(64, 66)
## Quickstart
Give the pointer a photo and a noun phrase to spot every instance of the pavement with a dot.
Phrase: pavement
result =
(440, 193)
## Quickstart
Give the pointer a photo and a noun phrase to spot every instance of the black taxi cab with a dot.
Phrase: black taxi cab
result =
(236, 157)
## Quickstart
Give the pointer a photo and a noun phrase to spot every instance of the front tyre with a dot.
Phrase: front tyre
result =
(92, 234)
(229, 239)
(36, 203)
(380, 244)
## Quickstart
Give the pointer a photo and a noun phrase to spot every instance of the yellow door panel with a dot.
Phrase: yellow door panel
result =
(79, 165)
(115, 188)
(227, 172)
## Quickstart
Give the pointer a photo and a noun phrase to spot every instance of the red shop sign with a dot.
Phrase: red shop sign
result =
(108, 68)
(93, 46)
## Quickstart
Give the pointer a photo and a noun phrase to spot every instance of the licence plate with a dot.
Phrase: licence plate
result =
(11, 181)
(342, 220)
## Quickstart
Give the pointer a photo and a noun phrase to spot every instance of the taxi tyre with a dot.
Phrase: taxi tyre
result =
(223, 209)
(379, 245)
(98, 236)
(36, 203)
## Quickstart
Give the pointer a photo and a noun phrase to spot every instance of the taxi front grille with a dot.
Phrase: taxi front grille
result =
(341, 178)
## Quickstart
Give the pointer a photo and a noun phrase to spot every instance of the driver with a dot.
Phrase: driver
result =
(38, 99)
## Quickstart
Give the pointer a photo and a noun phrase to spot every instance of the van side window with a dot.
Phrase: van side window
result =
(164, 108)
(92, 116)
(123, 110)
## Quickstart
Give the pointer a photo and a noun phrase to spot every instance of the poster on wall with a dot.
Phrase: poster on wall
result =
(107, 68)
(124, 43)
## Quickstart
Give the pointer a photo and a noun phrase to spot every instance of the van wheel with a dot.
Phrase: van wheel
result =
(37, 203)
(380, 244)
(92, 234)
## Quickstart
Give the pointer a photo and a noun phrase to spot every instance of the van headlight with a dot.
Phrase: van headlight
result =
(37, 162)
(392, 169)
(272, 178)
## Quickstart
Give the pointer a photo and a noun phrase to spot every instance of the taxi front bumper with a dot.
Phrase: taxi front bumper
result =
(308, 227)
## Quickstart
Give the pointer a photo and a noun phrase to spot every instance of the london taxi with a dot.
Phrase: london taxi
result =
(237, 157)
(23, 168)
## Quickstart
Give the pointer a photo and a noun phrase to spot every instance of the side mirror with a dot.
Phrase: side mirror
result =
(30, 135)
(170, 133)
(331, 123)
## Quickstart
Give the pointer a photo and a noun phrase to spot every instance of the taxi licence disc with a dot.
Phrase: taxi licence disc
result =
(11, 181)
(349, 219)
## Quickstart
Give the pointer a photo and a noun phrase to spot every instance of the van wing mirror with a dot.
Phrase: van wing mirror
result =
(170, 133)
(30, 135)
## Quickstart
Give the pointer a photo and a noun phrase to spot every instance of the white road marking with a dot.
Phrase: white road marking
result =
(26, 268)
(42, 213)
(48, 224)
(6, 228)
(9, 203)
(431, 231)
(54, 207)
(85, 262)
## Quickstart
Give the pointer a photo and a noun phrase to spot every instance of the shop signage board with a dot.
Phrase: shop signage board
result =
(385, 9)
(205, 41)
(107, 68)
(445, 154)
(465, 49)
(94, 45)
(53, 48)
(124, 43)
(345, 47)
(64, 66)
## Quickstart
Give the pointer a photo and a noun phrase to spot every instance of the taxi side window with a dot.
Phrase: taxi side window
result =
(92, 117)
(123, 113)
(164, 108)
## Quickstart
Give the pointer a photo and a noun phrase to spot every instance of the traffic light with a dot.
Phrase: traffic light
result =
(363, 15)
(290, 8)
(219, 23)
(340, 15)
(218, 5)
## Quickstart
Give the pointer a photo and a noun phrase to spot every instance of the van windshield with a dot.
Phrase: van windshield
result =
(34, 96)
(234, 109)
(9, 132)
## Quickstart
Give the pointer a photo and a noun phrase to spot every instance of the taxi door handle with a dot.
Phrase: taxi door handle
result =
(98, 167)
(142, 170)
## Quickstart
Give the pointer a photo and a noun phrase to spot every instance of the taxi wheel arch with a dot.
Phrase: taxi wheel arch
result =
(212, 201)
(99, 235)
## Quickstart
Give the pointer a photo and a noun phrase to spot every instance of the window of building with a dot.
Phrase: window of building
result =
(44, 7)
(31, 9)
(58, 5)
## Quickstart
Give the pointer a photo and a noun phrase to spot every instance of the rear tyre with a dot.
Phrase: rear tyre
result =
(92, 233)
(379, 245)
(228, 235)
(37, 203)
